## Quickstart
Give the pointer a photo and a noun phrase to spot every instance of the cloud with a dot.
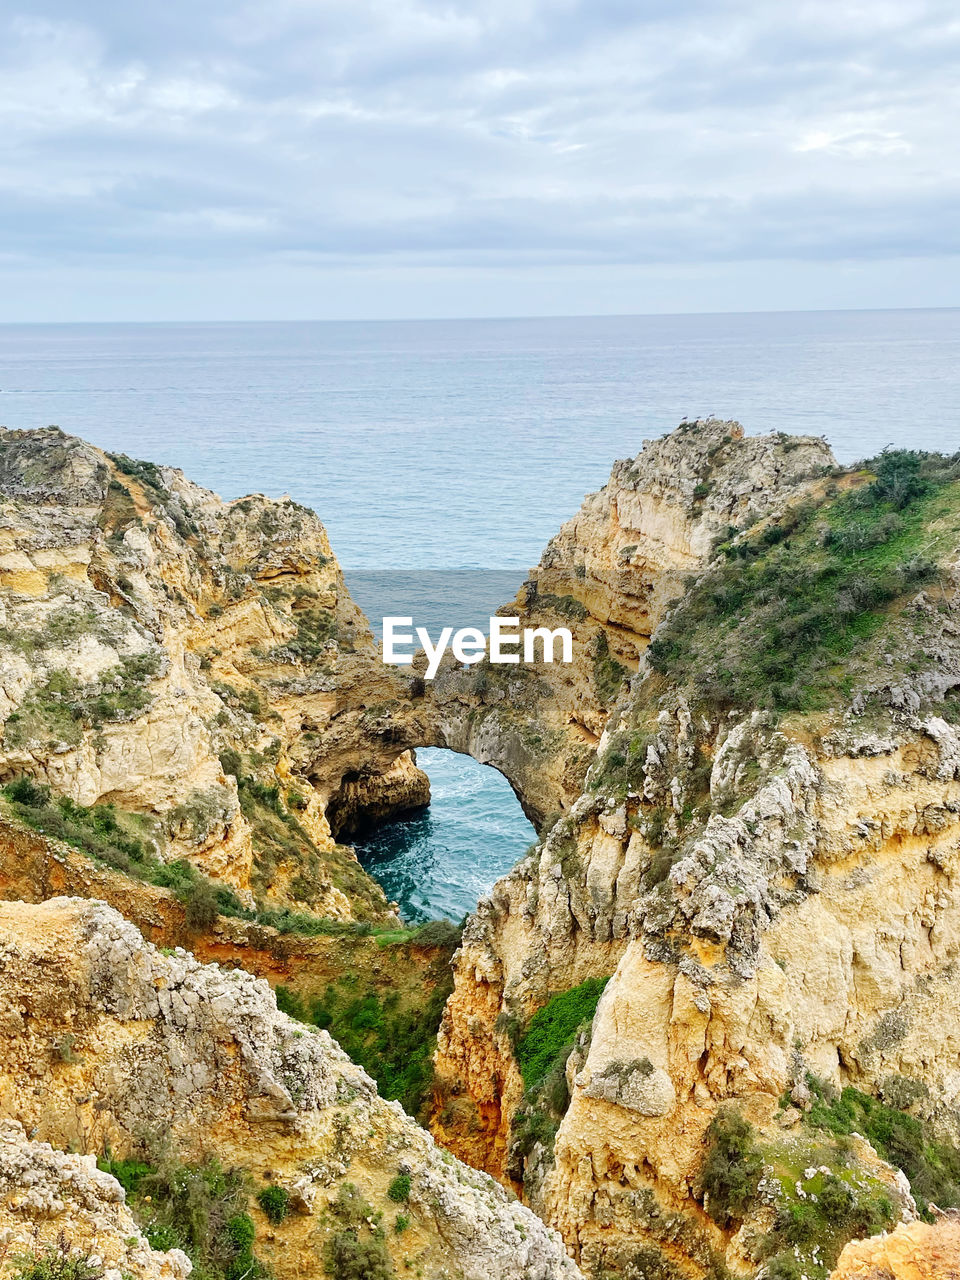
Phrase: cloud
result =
(858, 143)
(446, 132)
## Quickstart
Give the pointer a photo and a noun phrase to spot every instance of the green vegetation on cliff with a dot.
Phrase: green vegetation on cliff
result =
(55, 1260)
(357, 1248)
(776, 623)
(931, 1163)
(542, 1051)
(550, 1031)
(279, 838)
(58, 708)
(825, 1195)
(389, 1028)
(731, 1168)
(199, 1208)
(275, 1203)
(131, 844)
(608, 673)
(822, 1199)
(150, 477)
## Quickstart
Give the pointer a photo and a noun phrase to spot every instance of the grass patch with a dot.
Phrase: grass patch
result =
(150, 478)
(129, 843)
(608, 673)
(62, 627)
(836, 1209)
(123, 841)
(55, 1260)
(621, 767)
(566, 606)
(392, 1039)
(59, 708)
(315, 628)
(279, 838)
(543, 1051)
(399, 1188)
(817, 1214)
(774, 622)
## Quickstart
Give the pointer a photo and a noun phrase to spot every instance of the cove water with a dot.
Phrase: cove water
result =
(465, 444)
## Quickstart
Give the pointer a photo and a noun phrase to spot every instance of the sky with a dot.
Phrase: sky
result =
(323, 159)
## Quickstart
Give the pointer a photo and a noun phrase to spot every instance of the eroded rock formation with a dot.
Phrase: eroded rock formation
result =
(158, 646)
(51, 1200)
(106, 1042)
(919, 1251)
(773, 895)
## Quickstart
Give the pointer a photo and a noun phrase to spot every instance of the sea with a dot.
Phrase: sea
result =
(432, 448)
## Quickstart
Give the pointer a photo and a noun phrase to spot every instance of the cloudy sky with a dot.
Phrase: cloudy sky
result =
(355, 158)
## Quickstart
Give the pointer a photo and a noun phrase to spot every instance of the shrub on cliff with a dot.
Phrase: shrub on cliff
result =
(349, 1256)
(390, 1036)
(902, 476)
(275, 1203)
(199, 1208)
(399, 1188)
(608, 674)
(27, 792)
(731, 1168)
(54, 1261)
(357, 1250)
(200, 904)
(438, 933)
(931, 1164)
(822, 1203)
(98, 830)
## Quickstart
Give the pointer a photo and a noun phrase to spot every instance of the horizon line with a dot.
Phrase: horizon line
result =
(492, 319)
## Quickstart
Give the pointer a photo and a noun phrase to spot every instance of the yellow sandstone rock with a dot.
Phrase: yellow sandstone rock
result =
(915, 1251)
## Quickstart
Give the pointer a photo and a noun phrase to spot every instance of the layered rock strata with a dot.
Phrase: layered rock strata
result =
(159, 646)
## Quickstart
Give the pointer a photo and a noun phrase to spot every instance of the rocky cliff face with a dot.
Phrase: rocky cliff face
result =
(610, 574)
(159, 646)
(920, 1251)
(772, 888)
(62, 1203)
(107, 1042)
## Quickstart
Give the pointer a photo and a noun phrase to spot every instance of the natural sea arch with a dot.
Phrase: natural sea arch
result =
(501, 715)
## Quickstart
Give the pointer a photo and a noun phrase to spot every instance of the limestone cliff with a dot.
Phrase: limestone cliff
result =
(764, 862)
(609, 576)
(196, 662)
(919, 1251)
(743, 901)
(62, 1203)
(610, 573)
(108, 1044)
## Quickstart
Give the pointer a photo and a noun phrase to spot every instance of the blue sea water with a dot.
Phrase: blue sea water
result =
(464, 444)
(441, 861)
